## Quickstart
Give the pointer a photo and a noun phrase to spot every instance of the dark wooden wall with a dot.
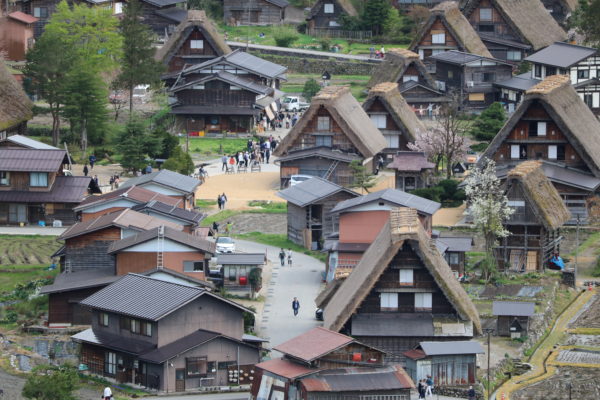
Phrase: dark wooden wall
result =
(255, 12)
(63, 308)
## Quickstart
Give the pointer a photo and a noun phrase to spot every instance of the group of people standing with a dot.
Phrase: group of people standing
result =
(282, 257)
(287, 119)
(222, 200)
(425, 387)
(256, 152)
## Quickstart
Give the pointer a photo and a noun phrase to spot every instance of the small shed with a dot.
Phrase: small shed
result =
(448, 363)
(237, 271)
(412, 170)
(513, 317)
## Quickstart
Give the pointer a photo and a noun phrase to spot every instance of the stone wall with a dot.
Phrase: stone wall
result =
(460, 392)
(316, 65)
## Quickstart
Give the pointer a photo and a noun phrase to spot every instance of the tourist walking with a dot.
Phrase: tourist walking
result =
(471, 393)
(220, 202)
(224, 161)
(289, 254)
(92, 161)
(223, 199)
(421, 388)
(85, 170)
(215, 227)
(429, 382)
(282, 257)
(295, 306)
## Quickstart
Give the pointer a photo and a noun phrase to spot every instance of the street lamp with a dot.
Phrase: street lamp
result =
(488, 331)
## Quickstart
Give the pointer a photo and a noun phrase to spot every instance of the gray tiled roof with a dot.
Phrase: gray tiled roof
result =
(449, 348)
(395, 196)
(31, 160)
(113, 341)
(245, 61)
(92, 277)
(513, 308)
(519, 82)
(416, 324)
(311, 190)
(459, 244)
(562, 55)
(462, 58)
(169, 234)
(29, 143)
(167, 178)
(66, 189)
(236, 80)
(192, 217)
(241, 259)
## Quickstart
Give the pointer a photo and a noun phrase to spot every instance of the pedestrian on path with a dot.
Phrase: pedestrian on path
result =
(215, 227)
(295, 306)
(107, 393)
(282, 257)
(85, 170)
(224, 162)
(429, 382)
(471, 393)
(224, 199)
(92, 159)
(220, 202)
(289, 254)
(421, 388)
(229, 227)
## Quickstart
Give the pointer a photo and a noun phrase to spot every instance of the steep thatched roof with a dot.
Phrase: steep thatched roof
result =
(15, 106)
(194, 19)
(572, 116)
(389, 95)
(327, 293)
(541, 195)
(345, 5)
(460, 28)
(528, 18)
(395, 63)
(347, 112)
(403, 226)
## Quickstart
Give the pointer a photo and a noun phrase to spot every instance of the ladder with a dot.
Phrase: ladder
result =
(332, 168)
(161, 247)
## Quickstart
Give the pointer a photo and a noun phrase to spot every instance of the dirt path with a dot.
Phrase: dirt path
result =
(241, 188)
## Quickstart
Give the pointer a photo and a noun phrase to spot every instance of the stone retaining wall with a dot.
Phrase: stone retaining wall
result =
(316, 65)
(460, 392)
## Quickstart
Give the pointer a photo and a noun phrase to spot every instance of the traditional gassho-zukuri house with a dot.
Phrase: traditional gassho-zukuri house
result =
(555, 126)
(401, 293)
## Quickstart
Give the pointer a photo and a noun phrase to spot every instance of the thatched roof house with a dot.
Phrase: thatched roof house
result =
(455, 24)
(529, 19)
(15, 106)
(345, 6)
(572, 116)
(388, 94)
(196, 26)
(396, 63)
(402, 228)
(541, 196)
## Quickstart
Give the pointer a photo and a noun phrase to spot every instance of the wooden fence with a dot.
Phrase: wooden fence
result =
(340, 34)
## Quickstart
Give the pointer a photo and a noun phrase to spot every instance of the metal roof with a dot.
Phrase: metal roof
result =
(519, 82)
(92, 277)
(163, 3)
(245, 61)
(394, 196)
(113, 341)
(313, 344)
(31, 160)
(493, 38)
(167, 178)
(22, 17)
(213, 110)
(173, 349)
(279, 3)
(513, 308)
(392, 325)
(451, 348)
(561, 55)
(24, 141)
(324, 152)
(174, 14)
(561, 174)
(462, 58)
(372, 380)
(170, 234)
(192, 217)
(285, 368)
(458, 244)
(66, 189)
(233, 79)
(311, 191)
(241, 259)
(134, 193)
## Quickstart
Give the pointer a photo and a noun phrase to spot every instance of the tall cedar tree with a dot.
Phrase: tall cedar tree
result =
(375, 15)
(138, 66)
(132, 144)
(362, 178)
(489, 122)
(585, 20)
(47, 65)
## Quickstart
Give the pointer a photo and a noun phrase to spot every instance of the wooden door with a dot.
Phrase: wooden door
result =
(180, 380)
(532, 261)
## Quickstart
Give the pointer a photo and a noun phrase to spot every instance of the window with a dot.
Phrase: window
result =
(587, 99)
(103, 319)
(486, 28)
(485, 14)
(541, 129)
(488, 77)
(514, 151)
(379, 120)
(515, 203)
(438, 38)
(523, 152)
(537, 128)
(441, 85)
(550, 71)
(135, 326)
(513, 55)
(552, 150)
(322, 123)
(118, 8)
(38, 179)
(146, 328)
(410, 183)
(40, 12)
(334, 24)
(452, 258)
(328, 8)
(389, 301)
(393, 141)
(450, 74)
(196, 44)
(406, 277)
(4, 178)
(408, 78)
(476, 96)
(537, 71)
(556, 152)
(193, 266)
(110, 363)
(583, 74)
(323, 140)
(195, 366)
(423, 301)
(124, 323)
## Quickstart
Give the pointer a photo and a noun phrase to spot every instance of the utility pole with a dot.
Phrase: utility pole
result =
(576, 251)
(488, 331)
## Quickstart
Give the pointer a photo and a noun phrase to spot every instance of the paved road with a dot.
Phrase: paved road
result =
(244, 396)
(301, 52)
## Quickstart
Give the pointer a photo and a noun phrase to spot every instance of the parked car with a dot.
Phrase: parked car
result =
(225, 244)
(293, 103)
(141, 92)
(296, 179)
(319, 314)
(117, 97)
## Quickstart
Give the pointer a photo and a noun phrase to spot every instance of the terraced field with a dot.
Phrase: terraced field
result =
(18, 250)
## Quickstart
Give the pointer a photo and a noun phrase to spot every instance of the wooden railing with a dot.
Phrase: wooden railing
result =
(340, 33)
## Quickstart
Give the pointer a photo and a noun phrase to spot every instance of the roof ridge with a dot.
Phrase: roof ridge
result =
(167, 282)
(549, 85)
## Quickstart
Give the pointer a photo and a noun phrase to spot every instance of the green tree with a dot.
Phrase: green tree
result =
(91, 32)
(138, 65)
(86, 101)
(311, 88)
(375, 15)
(489, 122)
(133, 144)
(585, 20)
(168, 143)
(180, 161)
(362, 179)
(284, 36)
(47, 65)
(213, 8)
(48, 382)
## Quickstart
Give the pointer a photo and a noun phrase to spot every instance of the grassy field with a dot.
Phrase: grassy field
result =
(27, 249)
(11, 275)
(357, 83)
(214, 146)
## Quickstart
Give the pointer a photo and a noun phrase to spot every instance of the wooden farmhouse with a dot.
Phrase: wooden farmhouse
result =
(454, 249)
(512, 29)
(554, 125)
(16, 35)
(402, 292)
(471, 77)
(394, 118)
(400, 66)
(15, 106)
(226, 93)
(412, 170)
(163, 336)
(448, 364)
(535, 225)
(326, 15)
(446, 29)
(309, 205)
(194, 41)
(169, 183)
(513, 318)
(321, 364)
(332, 133)
(361, 219)
(257, 12)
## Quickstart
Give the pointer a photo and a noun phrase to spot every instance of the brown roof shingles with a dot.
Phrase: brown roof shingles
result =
(135, 193)
(31, 160)
(177, 236)
(285, 368)
(313, 344)
(414, 161)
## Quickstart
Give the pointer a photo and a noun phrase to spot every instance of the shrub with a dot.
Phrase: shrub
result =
(596, 270)
(311, 88)
(489, 122)
(284, 36)
(479, 147)
(432, 193)
(325, 44)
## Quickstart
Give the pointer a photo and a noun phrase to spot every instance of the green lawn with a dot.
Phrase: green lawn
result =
(27, 249)
(357, 83)
(11, 275)
(214, 146)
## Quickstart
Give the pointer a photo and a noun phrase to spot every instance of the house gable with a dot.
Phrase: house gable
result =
(490, 21)
(439, 26)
